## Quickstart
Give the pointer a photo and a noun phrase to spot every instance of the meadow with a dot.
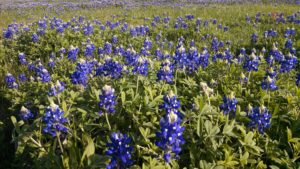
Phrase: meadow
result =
(171, 85)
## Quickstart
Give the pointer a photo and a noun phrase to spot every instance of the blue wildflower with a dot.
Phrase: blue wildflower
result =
(107, 100)
(260, 118)
(80, 76)
(171, 104)
(229, 104)
(298, 79)
(120, 151)
(268, 83)
(11, 81)
(288, 44)
(115, 39)
(288, 63)
(276, 54)
(170, 136)
(141, 67)
(254, 37)
(214, 44)
(22, 77)
(166, 72)
(89, 50)
(25, 114)
(22, 58)
(57, 88)
(54, 121)
(35, 37)
(51, 63)
(73, 52)
(110, 68)
(251, 62)
(243, 78)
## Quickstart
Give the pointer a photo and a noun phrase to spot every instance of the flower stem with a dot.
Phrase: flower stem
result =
(59, 142)
(107, 121)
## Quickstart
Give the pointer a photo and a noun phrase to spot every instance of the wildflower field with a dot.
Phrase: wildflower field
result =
(150, 85)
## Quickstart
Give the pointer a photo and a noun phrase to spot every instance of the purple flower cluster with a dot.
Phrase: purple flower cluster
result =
(229, 105)
(165, 72)
(120, 151)
(107, 100)
(110, 68)
(54, 121)
(25, 114)
(260, 118)
(11, 81)
(170, 136)
(57, 88)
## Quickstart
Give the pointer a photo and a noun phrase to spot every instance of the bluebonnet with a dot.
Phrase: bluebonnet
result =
(166, 72)
(11, 81)
(170, 136)
(35, 37)
(80, 76)
(243, 78)
(276, 54)
(51, 63)
(270, 33)
(251, 62)
(54, 121)
(171, 104)
(57, 88)
(42, 23)
(289, 32)
(269, 83)
(133, 32)
(107, 48)
(298, 79)
(288, 63)
(89, 50)
(147, 43)
(25, 114)
(22, 77)
(73, 52)
(131, 57)
(107, 100)
(260, 118)
(215, 44)
(42, 73)
(189, 17)
(88, 29)
(62, 51)
(227, 56)
(141, 67)
(293, 51)
(144, 52)
(181, 57)
(9, 32)
(198, 21)
(115, 39)
(110, 68)
(272, 72)
(226, 28)
(254, 37)
(120, 151)
(158, 53)
(229, 104)
(203, 58)
(217, 55)
(22, 58)
(41, 32)
(288, 44)
(60, 29)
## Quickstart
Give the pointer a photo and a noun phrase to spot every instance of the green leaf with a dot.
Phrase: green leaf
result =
(89, 147)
